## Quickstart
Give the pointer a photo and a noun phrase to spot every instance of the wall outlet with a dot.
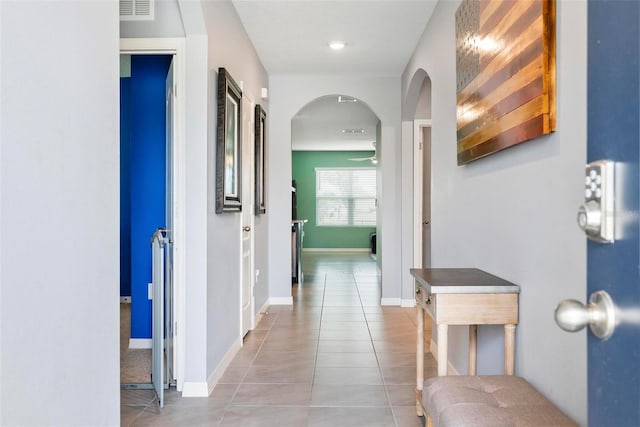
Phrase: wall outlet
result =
(150, 291)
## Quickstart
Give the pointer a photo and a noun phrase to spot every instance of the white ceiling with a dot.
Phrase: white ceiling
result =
(319, 126)
(292, 37)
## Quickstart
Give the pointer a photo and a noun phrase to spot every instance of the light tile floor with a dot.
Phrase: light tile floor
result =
(335, 358)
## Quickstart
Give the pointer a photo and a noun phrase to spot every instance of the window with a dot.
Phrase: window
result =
(346, 197)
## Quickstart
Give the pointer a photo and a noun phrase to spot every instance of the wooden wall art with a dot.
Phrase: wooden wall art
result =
(505, 70)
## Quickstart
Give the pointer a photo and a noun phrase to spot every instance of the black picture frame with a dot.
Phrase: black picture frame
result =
(228, 144)
(260, 145)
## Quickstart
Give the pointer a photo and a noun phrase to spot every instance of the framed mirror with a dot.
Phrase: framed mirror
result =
(260, 136)
(228, 145)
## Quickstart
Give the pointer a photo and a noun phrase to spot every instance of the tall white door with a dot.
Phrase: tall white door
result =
(169, 207)
(162, 275)
(426, 196)
(248, 197)
(422, 193)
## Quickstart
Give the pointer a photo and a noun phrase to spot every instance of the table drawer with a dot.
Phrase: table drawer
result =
(476, 309)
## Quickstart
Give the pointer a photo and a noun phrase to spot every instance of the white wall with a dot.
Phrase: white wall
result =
(289, 93)
(59, 205)
(229, 47)
(513, 213)
(196, 186)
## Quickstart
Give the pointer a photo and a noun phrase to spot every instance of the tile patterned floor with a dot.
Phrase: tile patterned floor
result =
(335, 358)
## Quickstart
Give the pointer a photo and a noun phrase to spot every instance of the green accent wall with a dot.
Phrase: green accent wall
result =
(303, 166)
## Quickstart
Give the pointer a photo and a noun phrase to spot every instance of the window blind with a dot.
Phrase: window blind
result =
(346, 197)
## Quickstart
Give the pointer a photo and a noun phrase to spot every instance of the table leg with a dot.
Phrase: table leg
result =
(419, 359)
(509, 349)
(443, 343)
(473, 349)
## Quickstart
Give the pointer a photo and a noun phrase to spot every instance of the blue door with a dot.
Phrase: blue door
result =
(613, 126)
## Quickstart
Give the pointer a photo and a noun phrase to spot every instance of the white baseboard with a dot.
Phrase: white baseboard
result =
(195, 389)
(260, 314)
(390, 301)
(140, 343)
(433, 348)
(408, 302)
(223, 365)
(280, 301)
(336, 250)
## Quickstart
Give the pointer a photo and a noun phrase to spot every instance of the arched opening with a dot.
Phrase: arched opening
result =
(417, 124)
(335, 141)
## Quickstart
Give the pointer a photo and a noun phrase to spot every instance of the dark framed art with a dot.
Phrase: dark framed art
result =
(228, 145)
(260, 137)
(506, 74)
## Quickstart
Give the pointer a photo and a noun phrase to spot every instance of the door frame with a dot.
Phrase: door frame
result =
(175, 47)
(418, 170)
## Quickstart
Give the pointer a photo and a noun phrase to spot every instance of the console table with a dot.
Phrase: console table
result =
(464, 296)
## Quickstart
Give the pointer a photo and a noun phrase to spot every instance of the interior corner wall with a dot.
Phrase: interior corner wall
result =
(237, 55)
(59, 209)
(513, 212)
(289, 93)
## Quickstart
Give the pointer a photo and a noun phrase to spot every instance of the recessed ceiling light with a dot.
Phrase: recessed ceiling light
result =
(337, 45)
(352, 131)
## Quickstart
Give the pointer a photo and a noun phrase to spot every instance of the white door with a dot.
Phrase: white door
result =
(158, 315)
(422, 193)
(162, 359)
(426, 198)
(248, 172)
(169, 206)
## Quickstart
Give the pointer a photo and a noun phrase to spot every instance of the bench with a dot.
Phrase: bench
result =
(491, 401)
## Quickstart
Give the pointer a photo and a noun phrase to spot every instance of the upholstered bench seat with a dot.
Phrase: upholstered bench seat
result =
(489, 401)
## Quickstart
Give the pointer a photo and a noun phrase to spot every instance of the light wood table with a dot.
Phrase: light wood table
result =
(463, 296)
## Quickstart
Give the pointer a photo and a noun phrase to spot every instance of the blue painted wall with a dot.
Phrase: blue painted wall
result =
(147, 155)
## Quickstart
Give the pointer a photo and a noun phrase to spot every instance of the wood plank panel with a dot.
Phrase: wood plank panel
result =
(508, 32)
(523, 132)
(477, 309)
(529, 36)
(531, 109)
(474, 111)
(499, 103)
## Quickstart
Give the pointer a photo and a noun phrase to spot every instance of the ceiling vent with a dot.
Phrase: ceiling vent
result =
(352, 131)
(346, 99)
(137, 10)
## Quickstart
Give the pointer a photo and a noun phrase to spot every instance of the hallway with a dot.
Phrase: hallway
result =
(334, 358)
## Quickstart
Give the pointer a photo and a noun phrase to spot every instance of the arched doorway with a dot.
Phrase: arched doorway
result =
(335, 175)
(417, 124)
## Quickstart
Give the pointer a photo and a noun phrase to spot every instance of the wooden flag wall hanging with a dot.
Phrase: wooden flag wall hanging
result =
(505, 70)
